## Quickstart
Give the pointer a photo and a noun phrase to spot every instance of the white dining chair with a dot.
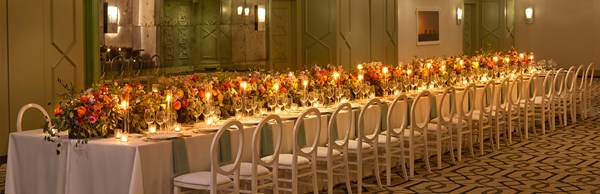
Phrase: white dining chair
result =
(544, 112)
(418, 128)
(257, 171)
(579, 95)
(302, 162)
(365, 147)
(335, 153)
(218, 177)
(589, 89)
(514, 106)
(500, 112)
(482, 117)
(571, 89)
(463, 126)
(397, 121)
(558, 97)
(527, 104)
(440, 129)
(34, 106)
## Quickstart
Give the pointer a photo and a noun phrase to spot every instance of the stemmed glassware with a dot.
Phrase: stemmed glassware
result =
(237, 106)
(272, 102)
(255, 105)
(197, 110)
(304, 98)
(312, 98)
(248, 105)
(161, 117)
(208, 109)
(280, 103)
(149, 117)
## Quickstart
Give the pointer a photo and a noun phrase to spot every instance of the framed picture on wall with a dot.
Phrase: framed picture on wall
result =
(428, 26)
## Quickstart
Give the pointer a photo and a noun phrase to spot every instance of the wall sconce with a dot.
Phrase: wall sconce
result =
(459, 15)
(240, 9)
(261, 15)
(246, 11)
(111, 18)
(529, 15)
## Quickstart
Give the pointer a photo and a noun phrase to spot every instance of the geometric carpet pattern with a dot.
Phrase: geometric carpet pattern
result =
(564, 161)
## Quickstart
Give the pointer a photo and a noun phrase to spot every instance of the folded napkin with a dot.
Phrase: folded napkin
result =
(266, 140)
(180, 159)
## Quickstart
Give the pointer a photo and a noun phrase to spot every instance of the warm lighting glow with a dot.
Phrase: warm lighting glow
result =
(207, 95)
(409, 72)
(459, 15)
(177, 127)
(359, 67)
(531, 57)
(240, 9)
(261, 15)
(246, 11)
(124, 138)
(152, 128)
(124, 105)
(461, 62)
(384, 70)
(305, 83)
(443, 68)
(243, 85)
(276, 87)
(428, 65)
(336, 75)
(495, 58)
(529, 15)
(506, 60)
(360, 77)
(113, 14)
(522, 56)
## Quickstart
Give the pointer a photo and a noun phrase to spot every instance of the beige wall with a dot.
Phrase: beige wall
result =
(4, 122)
(566, 31)
(450, 32)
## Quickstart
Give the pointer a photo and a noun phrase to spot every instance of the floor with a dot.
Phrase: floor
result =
(565, 161)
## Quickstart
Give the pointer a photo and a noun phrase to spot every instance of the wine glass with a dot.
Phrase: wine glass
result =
(207, 111)
(237, 105)
(172, 119)
(248, 105)
(161, 117)
(255, 105)
(197, 111)
(355, 90)
(288, 104)
(303, 99)
(283, 101)
(216, 112)
(272, 102)
(149, 117)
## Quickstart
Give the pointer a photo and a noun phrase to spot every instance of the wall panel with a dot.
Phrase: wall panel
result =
(318, 32)
(4, 105)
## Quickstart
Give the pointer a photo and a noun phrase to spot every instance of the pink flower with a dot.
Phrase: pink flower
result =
(93, 118)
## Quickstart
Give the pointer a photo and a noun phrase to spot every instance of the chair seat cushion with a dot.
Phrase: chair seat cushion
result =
(246, 169)
(493, 112)
(381, 139)
(479, 117)
(454, 120)
(201, 179)
(286, 159)
(322, 152)
(406, 132)
(433, 127)
(353, 144)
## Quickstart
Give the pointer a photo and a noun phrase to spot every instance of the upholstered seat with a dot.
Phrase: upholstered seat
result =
(322, 152)
(286, 159)
(381, 139)
(353, 144)
(406, 132)
(455, 120)
(200, 179)
(246, 169)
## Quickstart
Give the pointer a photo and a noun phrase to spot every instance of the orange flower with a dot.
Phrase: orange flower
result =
(177, 105)
(81, 110)
(57, 110)
(84, 99)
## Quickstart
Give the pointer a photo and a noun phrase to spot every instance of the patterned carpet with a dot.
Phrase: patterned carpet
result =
(565, 161)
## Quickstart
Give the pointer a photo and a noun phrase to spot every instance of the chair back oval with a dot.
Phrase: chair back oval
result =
(484, 105)
(362, 136)
(118, 60)
(569, 79)
(25, 108)
(448, 92)
(313, 147)
(214, 148)
(590, 77)
(548, 86)
(138, 65)
(529, 95)
(573, 86)
(501, 98)
(515, 96)
(256, 141)
(424, 111)
(401, 99)
(332, 142)
(559, 83)
(470, 93)
(156, 59)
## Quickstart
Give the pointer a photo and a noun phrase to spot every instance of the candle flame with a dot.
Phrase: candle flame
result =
(409, 72)
(384, 70)
(336, 75)
(359, 67)
(244, 85)
(428, 65)
(495, 59)
(521, 55)
(305, 83)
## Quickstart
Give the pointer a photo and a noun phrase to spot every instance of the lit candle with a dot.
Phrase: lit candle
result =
(522, 56)
(108, 50)
(154, 87)
(461, 62)
(177, 127)
(336, 75)
(276, 87)
(409, 72)
(207, 96)
(506, 60)
(243, 85)
(124, 138)
(359, 67)
(118, 133)
(495, 59)
(305, 83)
(384, 70)
(531, 56)
(152, 128)
(360, 77)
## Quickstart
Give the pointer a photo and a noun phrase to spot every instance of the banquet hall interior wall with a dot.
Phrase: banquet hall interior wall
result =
(32, 53)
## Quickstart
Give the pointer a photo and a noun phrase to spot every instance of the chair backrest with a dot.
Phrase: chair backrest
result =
(515, 96)
(445, 117)
(501, 98)
(156, 59)
(362, 136)
(559, 83)
(118, 60)
(569, 79)
(573, 86)
(527, 92)
(214, 150)
(256, 142)
(416, 108)
(334, 125)
(485, 104)
(548, 86)
(401, 99)
(467, 98)
(299, 123)
(28, 106)
(590, 75)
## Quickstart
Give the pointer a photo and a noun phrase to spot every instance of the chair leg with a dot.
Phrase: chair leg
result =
(376, 165)
(470, 128)
(314, 176)
(388, 165)
(348, 186)
(426, 158)
(439, 153)
(176, 190)
(359, 171)
(330, 176)
(411, 159)
(459, 143)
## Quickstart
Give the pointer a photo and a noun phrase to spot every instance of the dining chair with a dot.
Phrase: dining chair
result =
(440, 129)
(34, 106)
(393, 146)
(514, 105)
(500, 111)
(544, 112)
(527, 104)
(218, 177)
(578, 97)
(365, 147)
(418, 131)
(335, 153)
(589, 89)
(464, 124)
(257, 171)
(558, 97)
(482, 117)
(568, 105)
(302, 162)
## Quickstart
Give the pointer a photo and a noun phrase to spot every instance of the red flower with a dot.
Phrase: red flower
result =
(57, 110)
(81, 111)
(93, 118)
(84, 99)
(177, 105)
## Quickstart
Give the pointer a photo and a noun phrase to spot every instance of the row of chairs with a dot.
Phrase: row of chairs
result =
(135, 69)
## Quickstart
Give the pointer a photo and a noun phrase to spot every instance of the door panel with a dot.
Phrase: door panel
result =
(283, 23)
